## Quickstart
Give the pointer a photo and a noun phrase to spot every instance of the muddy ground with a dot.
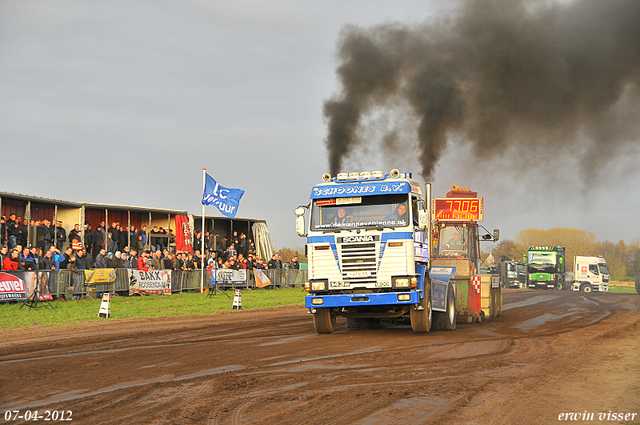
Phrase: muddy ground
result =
(551, 353)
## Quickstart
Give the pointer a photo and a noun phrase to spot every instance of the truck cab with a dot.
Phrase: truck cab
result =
(590, 274)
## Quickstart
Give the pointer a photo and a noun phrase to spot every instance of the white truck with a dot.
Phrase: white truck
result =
(590, 274)
(368, 247)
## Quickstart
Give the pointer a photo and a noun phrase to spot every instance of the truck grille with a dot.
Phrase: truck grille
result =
(359, 258)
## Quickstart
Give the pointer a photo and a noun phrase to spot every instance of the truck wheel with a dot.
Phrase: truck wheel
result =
(559, 286)
(324, 321)
(586, 288)
(421, 319)
(446, 320)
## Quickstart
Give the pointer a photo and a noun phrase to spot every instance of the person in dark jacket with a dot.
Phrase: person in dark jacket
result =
(88, 238)
(101, 259)
(66, 258)
(81, 263)
(48, 262)
(61, 236)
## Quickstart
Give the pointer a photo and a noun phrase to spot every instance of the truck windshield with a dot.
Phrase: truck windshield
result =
(453, 241)
(360, 213)
(542, 258)
(603, 268)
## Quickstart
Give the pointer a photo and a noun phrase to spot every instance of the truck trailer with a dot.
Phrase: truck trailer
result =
(368, 247)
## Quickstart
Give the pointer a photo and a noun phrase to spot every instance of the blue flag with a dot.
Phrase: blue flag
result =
(227, 200)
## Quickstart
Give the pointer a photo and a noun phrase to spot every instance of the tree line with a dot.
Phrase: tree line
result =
(623, 260)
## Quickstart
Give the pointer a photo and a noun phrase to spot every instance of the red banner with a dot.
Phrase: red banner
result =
(184, 234)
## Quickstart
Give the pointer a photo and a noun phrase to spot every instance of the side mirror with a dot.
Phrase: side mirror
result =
(300, 225)
(496, 235)
(423, 219)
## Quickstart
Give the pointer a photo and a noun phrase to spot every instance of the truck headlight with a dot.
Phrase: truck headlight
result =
(317, 301)
(404, 297)
(319, 286)
(401, 282)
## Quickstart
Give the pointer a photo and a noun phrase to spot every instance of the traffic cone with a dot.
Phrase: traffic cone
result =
(237, 300)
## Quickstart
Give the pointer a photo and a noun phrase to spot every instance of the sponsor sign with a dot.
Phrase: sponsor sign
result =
(184, 233)
(231, 277)
(152, 282)
(12, 288)
(354, 190)
(19, 286)
(100, 276)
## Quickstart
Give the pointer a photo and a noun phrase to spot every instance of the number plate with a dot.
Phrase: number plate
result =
(365, 273)
(338, 284)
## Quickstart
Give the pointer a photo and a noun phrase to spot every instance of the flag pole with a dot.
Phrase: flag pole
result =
(204, 181)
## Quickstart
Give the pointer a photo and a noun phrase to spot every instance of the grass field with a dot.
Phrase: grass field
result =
(186, 304)
(622, 287)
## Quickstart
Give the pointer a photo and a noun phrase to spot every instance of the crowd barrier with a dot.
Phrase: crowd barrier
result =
(67, 284)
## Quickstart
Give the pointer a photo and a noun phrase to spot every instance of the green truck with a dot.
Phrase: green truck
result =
(545, 267)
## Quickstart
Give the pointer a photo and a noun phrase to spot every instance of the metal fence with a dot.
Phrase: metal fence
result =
(64, 283)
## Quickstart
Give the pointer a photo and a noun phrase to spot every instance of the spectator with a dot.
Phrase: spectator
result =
(197, 260)
(142, 237)
(243, 244)
(27, 262)
(142, 261)
(23, 232)
(3, 232)
(117, 260)
(123, 237)
(101, 259)
(113, 234)
(110, 264)
(47, 234)
(98, 240)
(273, 263)
(13, 233)
(48, 262)
(81, 263)
(156, 261)
(76, 234)
(64, 262)
(89, 239)
(11, 262)
(4, 253)
(132, 260)
(61, 236)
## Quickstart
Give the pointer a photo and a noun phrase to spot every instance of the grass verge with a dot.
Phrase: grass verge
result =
(186, 304)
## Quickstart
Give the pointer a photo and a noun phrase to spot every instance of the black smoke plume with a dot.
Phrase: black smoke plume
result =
(501, 74)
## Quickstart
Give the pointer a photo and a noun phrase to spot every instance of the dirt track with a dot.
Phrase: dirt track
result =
(551, 353)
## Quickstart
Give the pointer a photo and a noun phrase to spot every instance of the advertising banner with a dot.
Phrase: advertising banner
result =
(19, 286)
(184, 233)
(231, 277)
(100, 276)
(153, 282)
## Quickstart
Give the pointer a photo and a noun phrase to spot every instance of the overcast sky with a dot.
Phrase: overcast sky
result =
(124, 102)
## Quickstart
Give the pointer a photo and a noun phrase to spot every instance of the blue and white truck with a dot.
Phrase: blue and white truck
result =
(368, 246)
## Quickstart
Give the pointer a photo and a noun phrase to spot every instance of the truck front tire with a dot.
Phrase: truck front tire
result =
(421, 319)
(324, 321)
(586, 288)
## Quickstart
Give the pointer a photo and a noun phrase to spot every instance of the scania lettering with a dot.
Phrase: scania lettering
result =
(368, 240)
